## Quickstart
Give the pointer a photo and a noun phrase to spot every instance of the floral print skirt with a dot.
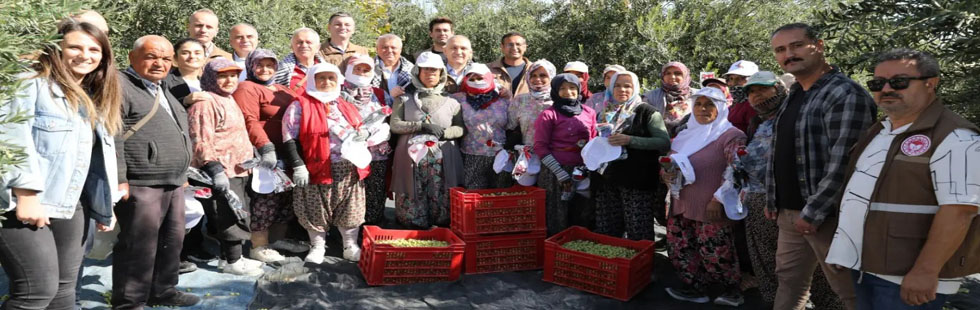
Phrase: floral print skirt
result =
(317, 206)
(376, 192)
(703, 253)
(269, 209)
(430, 204)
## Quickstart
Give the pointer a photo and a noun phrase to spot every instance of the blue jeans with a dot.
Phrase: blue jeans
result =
(877, 293)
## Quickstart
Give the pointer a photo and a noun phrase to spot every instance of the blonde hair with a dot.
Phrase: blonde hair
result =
(99, 92)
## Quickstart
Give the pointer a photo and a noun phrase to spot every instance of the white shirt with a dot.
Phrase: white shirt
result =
(241, 64)
(954, 183)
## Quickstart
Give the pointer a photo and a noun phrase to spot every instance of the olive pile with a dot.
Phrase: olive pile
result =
(604, 250)
(502, 194)
(414, 243)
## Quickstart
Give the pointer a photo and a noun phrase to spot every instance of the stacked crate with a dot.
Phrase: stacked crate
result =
(504, 228)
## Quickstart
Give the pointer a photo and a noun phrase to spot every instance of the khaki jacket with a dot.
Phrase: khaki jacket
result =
(499, 71)
(339, 59)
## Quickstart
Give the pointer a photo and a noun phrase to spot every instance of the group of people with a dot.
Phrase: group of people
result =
(759, 178)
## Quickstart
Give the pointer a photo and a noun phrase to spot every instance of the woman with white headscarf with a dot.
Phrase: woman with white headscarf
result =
(598, 100)
(319, 128)
(624, 195)
(702, 244)
(370, 102)
(427, 161)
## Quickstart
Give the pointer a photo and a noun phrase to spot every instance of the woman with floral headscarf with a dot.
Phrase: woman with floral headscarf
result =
(323, 133)
(624, 196)
(370, 102)
(672, 99)
(524, 109)
(560, 133)
(221, 144)
(485, 117)
(702, 244)
(427, 161)
(263, 103)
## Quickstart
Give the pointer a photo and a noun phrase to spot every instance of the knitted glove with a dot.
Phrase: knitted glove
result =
(433, 129)
(267, 154)
(219, 181)
(301, 177)
(555, 168)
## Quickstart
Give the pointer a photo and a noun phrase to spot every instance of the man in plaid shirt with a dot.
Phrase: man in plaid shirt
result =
(825, 114)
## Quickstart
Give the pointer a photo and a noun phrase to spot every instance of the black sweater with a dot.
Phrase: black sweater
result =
(160, 152)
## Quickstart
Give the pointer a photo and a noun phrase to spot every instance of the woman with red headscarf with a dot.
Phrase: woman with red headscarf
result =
(485, 117)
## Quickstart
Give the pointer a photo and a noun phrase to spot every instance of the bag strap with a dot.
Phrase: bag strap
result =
(153, 111)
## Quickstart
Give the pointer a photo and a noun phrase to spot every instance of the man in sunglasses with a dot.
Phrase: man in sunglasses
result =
(825, 114)
(908, 227)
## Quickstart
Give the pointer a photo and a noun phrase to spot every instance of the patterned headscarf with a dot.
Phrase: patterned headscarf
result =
(479, 96)
(209, 80)
(680, 91)
(358, 94)
(253, 59)
(543, 92)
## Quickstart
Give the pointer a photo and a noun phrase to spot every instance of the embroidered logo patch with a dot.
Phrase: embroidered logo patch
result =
(916, 145)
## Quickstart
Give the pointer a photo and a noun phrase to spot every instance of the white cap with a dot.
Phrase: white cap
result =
(576, 66)
(429, 60)
(716, 95)
(743, 68)
(477, 68)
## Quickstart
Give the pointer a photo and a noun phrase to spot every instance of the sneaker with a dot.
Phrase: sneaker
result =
(242, 267)
(687, 294)
(251, 263)
(352, 253)
(316, 255)
(731, 299)
(186, 267)
(265, 255)
(289, 245)
(180, 300)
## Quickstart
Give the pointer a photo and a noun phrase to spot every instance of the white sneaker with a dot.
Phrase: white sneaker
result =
(265, 255)
(316, 255)
(243, 267)
(251, 263)
(352, 253)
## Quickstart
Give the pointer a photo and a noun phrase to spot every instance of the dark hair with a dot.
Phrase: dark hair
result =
(810, 32)
(512, 34)
(440, 20)
(180, 43)
(338, 14)
(924, 62)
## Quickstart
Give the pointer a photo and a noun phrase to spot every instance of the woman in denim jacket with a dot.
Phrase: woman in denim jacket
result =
(73, 105)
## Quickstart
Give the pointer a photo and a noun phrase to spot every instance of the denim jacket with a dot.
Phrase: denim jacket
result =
(61, 161)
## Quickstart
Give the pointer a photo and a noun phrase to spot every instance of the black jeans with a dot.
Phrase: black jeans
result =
(41, 263)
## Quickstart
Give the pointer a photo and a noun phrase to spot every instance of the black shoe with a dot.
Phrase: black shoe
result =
(186, 267)
(200, 257)
(180, 300)
(687, 293)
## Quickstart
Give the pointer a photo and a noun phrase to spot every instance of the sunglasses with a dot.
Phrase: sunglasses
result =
(897, 83)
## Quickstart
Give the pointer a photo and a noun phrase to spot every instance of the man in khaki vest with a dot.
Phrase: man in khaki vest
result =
(908, 228)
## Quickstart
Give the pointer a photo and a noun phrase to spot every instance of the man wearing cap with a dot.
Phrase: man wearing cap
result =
(824, 116)
(741, 112)
(908, 216)
(511, 68)
(203, 26)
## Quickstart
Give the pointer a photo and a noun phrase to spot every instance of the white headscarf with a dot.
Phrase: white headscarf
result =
(323, 96)
(544, 93)
(697, 135)
(359, 80)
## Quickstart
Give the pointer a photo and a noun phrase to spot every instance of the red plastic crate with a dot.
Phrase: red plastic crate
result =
(500, 253)
(383, 264)
(473, 213)
(618, 278)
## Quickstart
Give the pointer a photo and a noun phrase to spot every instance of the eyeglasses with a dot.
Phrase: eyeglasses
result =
(897, 83)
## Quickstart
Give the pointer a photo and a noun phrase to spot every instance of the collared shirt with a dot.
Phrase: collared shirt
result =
(154, 89)
(835, 113)
(950, 161)
(241, 64)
